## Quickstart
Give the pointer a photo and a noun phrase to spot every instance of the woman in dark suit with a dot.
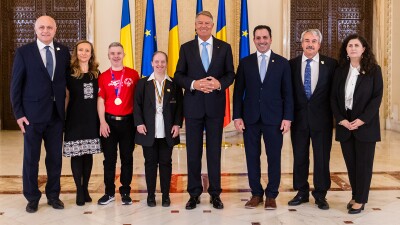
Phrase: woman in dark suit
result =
(158, 117)
(356, 96)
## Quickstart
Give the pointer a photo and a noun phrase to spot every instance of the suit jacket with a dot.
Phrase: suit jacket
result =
(189, 68)
(272, 100)
(316, 113)
(366, 101)
(145, 108)
(32, 91)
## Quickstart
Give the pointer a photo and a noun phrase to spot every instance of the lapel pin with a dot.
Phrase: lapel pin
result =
(322, 62)
(58, 49)
(273, 60)
(363, 72)
(168, 90)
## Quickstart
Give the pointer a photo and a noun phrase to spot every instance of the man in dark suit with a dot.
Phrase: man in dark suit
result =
(38, 98)
(263, 105)
(204, 70)
(312, 75)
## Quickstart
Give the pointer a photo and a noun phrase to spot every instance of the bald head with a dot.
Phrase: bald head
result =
(45, 29)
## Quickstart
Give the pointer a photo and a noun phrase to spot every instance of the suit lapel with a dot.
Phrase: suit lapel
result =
(196, 54)
(216, 46)
(322, 73)
(57, 53)
(298, 78)
(36, 55)
(342, 85)
(271, 64)
(167, 93)
(150, 91)
(360, 79)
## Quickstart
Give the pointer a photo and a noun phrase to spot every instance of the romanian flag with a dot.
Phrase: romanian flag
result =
(244, 48)
(149, 39)
(221, 34)
(199, 6)
(173, 40)
(126, 34)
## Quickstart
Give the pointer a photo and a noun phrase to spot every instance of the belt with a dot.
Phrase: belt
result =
(118, 118)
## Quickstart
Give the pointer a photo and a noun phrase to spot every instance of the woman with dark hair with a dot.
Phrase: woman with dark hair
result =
(81, 138)
(355, 99)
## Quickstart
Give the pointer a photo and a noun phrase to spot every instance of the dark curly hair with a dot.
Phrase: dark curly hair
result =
(368, 60)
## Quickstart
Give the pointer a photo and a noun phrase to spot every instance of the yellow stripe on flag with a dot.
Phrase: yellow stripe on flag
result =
(173, 50)
(126, 41)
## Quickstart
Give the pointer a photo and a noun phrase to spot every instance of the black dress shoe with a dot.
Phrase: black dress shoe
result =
(298, 199)
(151, 201)
(56, 203)
(322, 203)
(87, 196)
(32, 206)
(193, 201)
(216, 202)
(80, 198)
(349, 205)
(166, 201)
(356, 211)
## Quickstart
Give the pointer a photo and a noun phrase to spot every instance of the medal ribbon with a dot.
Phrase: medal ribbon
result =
(159, 95)
(118, 90)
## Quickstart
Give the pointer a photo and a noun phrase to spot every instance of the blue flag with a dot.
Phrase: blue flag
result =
(149, 39)
(244, 49)
(199, 6)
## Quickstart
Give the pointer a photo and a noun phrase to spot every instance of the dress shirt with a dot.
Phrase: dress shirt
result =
(259, 58)
(350, 86)
(42, 51)
(159, 129)
(314, 64)
(209, 51)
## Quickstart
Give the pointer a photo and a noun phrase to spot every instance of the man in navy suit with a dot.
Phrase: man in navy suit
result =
(38, 98)
(263, 105)
(312, 75)
(204, 70)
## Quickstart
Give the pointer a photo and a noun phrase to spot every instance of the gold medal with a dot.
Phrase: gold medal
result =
(117, 101)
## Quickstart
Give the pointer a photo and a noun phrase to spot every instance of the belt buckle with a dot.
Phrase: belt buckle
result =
(118, 118)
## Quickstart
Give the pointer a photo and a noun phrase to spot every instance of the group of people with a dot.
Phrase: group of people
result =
(113, 110)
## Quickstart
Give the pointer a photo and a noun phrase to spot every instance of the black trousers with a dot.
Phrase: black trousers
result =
(273, 140)
(194, 143)
(158, 155)
(122, 135)
(321, 144)
(359, 159)
(52, 135)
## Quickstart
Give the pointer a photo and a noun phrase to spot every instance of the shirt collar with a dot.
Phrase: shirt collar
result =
(315, 58)
(152, 77)
(209, 41)
(41, 45)
(268, 53)
(354, 70)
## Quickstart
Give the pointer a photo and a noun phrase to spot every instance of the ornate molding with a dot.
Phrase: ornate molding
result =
(90, 21)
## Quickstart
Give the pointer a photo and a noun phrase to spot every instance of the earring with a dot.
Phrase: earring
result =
(348, 58)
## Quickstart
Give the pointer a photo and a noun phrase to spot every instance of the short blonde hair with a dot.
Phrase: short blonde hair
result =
(204, 13)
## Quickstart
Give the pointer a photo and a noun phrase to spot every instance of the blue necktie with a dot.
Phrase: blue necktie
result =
(263, 67)
(49, 61)
(307, 79)
(204, 56)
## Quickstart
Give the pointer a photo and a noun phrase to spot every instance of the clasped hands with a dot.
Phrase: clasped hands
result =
(207, 85)
(354, 125)
(141, 129)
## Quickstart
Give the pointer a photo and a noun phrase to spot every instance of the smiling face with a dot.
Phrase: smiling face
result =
(159, 63)
(310, 44)
(45, 29)
(355, 49)
(204, 25)
(116, 55)
(262, 40)
(84, 52)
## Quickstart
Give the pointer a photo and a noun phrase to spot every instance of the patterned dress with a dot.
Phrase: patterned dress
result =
(82, 123)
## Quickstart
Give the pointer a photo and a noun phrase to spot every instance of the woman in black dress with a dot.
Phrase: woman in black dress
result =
(81, 139)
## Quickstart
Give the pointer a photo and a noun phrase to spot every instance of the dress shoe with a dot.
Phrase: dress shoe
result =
(356, 211)
(80, 198)
(322, 203)
(56, 203)
(254, 202)
(32, 206)
(350, 204)
(298, 199)
(86, 195)
(193, 201)
(166, 201)
(151, 201)
(270, 204)
(216, 202)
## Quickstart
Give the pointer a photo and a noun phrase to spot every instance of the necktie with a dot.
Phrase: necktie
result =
(263, 67)
(49, 61)
(204, 56)
(307, 79)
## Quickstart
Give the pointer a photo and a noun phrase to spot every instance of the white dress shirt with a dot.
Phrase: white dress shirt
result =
(314, 64)
(209, 47)
(42, 51)
(259, 58)
(160, 128)
(350, 86)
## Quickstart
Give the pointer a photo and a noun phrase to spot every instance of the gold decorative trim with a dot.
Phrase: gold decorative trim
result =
(139, 26)
(286, 28)
(90, 21)
(388, 60)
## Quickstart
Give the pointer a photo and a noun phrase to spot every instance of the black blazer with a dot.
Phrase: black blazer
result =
(315, 113)
(189, 68)
(32, 91)
(145, 108)
(272, 100)
(366, 101)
